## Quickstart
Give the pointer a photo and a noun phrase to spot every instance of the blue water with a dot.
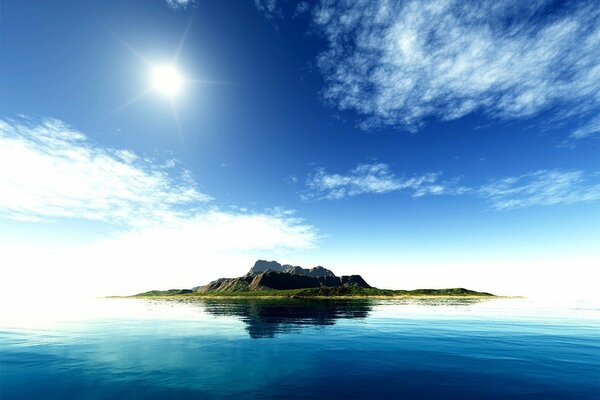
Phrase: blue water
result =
(303, 350)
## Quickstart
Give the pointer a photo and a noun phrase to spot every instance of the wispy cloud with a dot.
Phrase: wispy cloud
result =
(374, 178)
(399, 63)
(537, 188)
(177, 4)
(277, 9)
(270, 8)
(48, 171)
(541, 188)
(590, 128)
(169, 233)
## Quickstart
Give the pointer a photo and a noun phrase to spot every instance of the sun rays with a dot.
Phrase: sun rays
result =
(164, 78)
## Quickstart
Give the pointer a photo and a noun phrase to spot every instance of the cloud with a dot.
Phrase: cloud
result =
(590, 128)
(536, 188)
(168, 232)
(49, 171)
(178, 4)
(541, 188)
(270, 8)
(277, 9)
(401, 63)
(193, 251)
(374, 178)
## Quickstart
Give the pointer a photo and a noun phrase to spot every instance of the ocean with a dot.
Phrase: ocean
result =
(301, 349)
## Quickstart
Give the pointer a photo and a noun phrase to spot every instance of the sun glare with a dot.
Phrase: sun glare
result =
(167, 80)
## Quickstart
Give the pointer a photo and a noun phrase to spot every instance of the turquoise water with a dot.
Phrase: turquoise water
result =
(296, 350)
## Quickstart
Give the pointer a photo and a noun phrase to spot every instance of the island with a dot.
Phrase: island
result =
(270, 279)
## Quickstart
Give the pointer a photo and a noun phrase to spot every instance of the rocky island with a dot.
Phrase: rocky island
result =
(267, 279)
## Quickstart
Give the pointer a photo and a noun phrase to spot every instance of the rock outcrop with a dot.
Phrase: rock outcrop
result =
(264, 266)
(270, 275)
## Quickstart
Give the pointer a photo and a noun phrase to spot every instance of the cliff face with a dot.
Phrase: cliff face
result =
(264, 266)
(282, 280)
(270, 275)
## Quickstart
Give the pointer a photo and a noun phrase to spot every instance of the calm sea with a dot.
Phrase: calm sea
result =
(260, 349)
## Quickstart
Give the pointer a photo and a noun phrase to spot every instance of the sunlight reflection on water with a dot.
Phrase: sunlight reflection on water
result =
(106, 348)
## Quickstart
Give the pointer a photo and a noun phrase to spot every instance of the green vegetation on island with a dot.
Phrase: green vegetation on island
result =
(269, 279)
(338, 292)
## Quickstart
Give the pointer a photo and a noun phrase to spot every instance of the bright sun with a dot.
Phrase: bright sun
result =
(166, 80)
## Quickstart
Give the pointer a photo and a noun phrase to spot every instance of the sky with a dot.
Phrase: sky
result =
(419, 144)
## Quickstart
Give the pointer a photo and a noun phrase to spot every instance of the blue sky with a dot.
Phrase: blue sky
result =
(403, 141)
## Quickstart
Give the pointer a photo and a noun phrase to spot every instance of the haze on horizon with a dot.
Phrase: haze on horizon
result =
(164, 144)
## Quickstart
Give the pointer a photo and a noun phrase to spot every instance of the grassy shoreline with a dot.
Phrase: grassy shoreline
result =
(318, 294)
(271, 297)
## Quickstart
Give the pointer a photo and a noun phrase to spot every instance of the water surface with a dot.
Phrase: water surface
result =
(274, 349)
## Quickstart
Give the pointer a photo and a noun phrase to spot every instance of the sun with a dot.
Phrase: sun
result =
(166, 80)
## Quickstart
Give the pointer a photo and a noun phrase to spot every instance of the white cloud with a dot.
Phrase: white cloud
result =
(541, 188)
(536, 188)
(374, 178)
(276, 9)
(589, 128)
(168, 235)
(215, 231)
(191, 252)
(401, 63)
(301, 8)
(269, 7)
(175, 4)
(48, 170)
(292, 179)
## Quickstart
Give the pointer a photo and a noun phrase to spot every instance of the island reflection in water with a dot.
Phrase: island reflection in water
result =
(265, 318)
(361, 349)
